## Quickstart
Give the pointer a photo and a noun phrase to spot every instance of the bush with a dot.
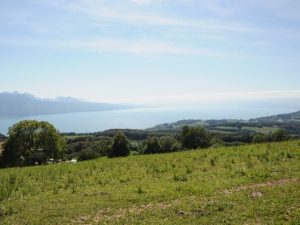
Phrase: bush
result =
(87, 154)
(280, 135)
(259, 138)
(194, 137)
(119, 147)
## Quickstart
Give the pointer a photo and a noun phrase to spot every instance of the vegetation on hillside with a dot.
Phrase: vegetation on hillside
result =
(119, 146)
(290, 122)
(208, 185)
(184, 134)
(253, 184)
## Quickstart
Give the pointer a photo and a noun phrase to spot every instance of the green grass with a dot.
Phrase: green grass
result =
(225, 127)
(197, 123)
(220, 131)
(234, 121)
(264, 130)
(202, 123)
(77, 136)
(211, 186)
(134, 153)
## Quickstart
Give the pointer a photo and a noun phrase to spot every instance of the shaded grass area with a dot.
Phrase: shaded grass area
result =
(234, 185)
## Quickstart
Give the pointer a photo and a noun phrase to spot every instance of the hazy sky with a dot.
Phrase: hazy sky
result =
(151, 51)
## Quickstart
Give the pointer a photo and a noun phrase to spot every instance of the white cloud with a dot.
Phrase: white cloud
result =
(144, 48)
(141, 47)
(123, 13)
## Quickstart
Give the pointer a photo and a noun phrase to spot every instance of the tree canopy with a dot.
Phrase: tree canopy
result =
(280, 135)
(152, 145)
(194, 137)
(160, 145)
(31, 141)
(259, 138)
(120, 146)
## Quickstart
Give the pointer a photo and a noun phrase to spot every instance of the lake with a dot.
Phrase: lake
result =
(141, 118)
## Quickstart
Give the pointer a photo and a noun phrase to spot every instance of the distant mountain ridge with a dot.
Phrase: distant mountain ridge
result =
(16, 104)
(57, 99)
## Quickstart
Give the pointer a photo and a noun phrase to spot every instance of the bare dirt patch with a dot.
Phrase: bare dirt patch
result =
(102, 216)
(281, 182)
(257, 194)
(80, 220)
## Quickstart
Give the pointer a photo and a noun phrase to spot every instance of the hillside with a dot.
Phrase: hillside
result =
(26, 105)
(265, 125)
(255, 184)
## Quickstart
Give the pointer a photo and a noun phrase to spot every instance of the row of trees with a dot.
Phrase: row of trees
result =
(278, 136)
(190, 138)
(31, 141)
(84, 148)
(159, 145)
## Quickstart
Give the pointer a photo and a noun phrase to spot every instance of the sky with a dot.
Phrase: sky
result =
(151, 51)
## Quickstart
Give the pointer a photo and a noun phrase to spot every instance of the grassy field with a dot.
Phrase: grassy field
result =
(197, 123)
(219, 131)
(228, 128)
(263, 130)
(77, 136)
(254, 184)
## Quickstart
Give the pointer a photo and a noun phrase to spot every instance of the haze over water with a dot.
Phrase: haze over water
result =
(141, 118)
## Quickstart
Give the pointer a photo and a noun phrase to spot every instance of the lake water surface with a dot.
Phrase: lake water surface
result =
(141, 118)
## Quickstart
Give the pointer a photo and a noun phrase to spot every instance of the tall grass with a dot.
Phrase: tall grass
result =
(184, 187)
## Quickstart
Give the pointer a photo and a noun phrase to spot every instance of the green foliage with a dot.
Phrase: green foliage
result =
(259, 138)
(216, 142)
(98, 144)
(169, 144)
(152, 146)
(253, 184)
(164, 144)
(194, 137)
(87, 154)
(239, 126)
(30, 141)
(119, 147)
(280, 135)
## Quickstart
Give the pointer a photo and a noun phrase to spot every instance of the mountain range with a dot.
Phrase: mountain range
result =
(17, 104)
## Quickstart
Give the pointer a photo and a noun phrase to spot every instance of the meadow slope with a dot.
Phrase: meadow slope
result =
(254, 184)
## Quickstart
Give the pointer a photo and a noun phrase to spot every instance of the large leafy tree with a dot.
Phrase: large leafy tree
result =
(30, 141)
(194, 137)
(120, 146)
(259, 138)
(152, 146)
(280, 135)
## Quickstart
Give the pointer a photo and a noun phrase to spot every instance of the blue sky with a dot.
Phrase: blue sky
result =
(151, 51)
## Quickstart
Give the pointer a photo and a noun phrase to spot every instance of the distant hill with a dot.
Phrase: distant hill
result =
(290, 122)
(16, 104)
